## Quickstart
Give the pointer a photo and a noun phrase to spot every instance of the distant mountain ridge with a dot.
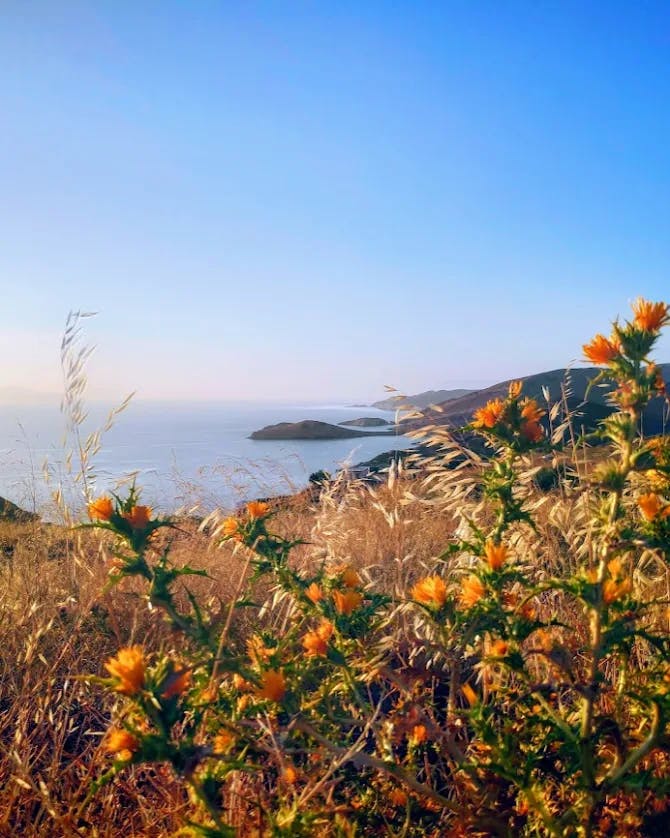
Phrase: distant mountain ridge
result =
(420, 400)
(459, 411)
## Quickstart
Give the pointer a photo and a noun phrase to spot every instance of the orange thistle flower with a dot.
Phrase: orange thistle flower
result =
(615, 568)
(290, 775)
(531, 410)
(496, 555)
(314, 644)
(350, 577)
(257, 650)
(470, 694)
(346, 602)
(241, 683)
(652, 508)
(122, 743)
(231, 529)
(430, 591)
(532, 431)
(473, 590)
(273, 685)
(601, 350)
(325, 630)
(613, 590)
(499, 648)
(243, 702)
(128, 667)
(257, 508)
(650, 316)
(138, 517)
(314, 593)
(398, 797)
(223, 742)
(418, 736)
(177, 683)
(489, 415)
(210, 693)
(101, 509)
(515, 388)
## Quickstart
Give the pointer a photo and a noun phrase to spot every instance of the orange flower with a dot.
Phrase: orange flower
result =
(314, 644)
(601, 350)
(223, 742)
(613, 590)
(489, 415)
(128, 667)
(243, 703)
(240, 683)
(325, 630)
(273, 685)
(210, 693)
(499, 648)
(659, 381)
(346, 602)
(398, 797)
(257, 650)
(615, 567)
(652, 508)
(470, 694)
(290, 775)
(531, 411)
(122, 743)
(532, 431)
(101, 509)
(430, 591)
(138, 517)
(515, 388)
(177, 683)
(350, 577)
(650, 316)
(257, 508)
(231, 529)
(418, 736)
(314, 593)
(473, 590)
(496, 554)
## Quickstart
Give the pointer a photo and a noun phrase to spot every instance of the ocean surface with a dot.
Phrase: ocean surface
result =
(182, 455)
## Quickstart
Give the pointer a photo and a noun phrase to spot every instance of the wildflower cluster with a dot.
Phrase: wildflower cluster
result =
(465, 703)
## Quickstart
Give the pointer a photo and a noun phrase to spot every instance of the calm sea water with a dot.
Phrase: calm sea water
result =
(183, 454)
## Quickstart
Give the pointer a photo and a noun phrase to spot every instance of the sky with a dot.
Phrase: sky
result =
(311, 200)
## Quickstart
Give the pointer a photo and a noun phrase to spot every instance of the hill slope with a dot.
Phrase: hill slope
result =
(420, 400)
(575, 382)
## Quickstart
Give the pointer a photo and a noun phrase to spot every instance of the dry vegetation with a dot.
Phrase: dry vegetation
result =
(473, 648)
(55, 622)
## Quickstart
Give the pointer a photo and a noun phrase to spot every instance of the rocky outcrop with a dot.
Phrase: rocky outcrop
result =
(366, 422)
(11, 512)
(312, 429)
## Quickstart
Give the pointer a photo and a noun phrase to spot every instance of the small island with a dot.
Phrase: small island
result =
(312, 429)
(366, 422)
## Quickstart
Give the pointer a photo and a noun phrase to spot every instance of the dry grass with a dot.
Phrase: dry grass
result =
(56, 621)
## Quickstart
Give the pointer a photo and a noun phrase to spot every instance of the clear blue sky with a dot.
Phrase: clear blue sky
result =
(310, 200)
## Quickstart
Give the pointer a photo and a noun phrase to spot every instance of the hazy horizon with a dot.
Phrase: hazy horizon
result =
(309, 202)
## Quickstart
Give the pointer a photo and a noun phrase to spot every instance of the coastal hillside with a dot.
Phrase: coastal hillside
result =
(419, 400)
(571, 384)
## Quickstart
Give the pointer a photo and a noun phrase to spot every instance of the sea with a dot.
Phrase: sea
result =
(182, 456)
